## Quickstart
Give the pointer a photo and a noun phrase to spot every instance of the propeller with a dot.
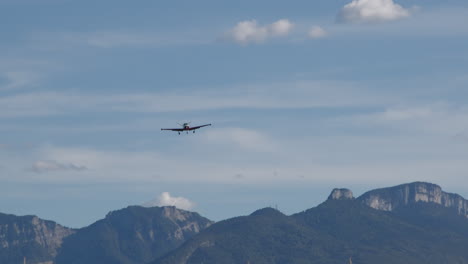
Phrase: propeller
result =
(184, 124)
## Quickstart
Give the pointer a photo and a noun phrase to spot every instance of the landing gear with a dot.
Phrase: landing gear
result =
(194, 131)
(179, 133)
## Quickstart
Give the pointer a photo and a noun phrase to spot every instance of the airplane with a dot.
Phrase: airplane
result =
(185, 127)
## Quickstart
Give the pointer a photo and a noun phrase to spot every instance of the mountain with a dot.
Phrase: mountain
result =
(265, 236)
(131, 235)
(389, 199)
(422, 227)
(411, 223)
(31, 237)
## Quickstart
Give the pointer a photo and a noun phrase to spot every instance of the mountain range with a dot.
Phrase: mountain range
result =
(414, 226)
(409, 223)
(29, 236)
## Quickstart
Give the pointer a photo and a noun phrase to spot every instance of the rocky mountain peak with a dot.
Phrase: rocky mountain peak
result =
(388, 199)
(171, 212)
(36, 239)
(341, 194)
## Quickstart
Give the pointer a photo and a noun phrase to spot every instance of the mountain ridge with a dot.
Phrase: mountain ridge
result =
(422, 230)
(409, 223)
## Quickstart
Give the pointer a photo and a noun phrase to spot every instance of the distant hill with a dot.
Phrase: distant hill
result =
(411, 223)
(133, 235)
(266, 236)
(418, 229)
(31, 237)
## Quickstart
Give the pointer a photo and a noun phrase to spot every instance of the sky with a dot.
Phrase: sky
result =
(303, 97)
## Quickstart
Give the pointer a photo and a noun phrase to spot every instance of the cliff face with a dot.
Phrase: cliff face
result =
(186, 223)
(341, 194)
(388, 199)
(31, 237)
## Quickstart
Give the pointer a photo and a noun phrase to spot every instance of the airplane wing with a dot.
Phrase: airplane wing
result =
(173, 129)
(197, 127)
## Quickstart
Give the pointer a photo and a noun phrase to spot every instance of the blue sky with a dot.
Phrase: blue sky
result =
(304, 96)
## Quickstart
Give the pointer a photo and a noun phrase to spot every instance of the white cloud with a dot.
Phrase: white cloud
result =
(165, 199)
(281, 27)
(249, 31)
(368, 11)
(52, 165)
(317, 32)
(430, 23)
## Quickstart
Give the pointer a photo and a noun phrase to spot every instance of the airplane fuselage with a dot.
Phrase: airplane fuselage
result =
(186, 127)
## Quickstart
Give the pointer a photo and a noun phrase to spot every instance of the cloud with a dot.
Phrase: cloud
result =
(246, 139)
(115, 39)
(370, 11)
(239, 176)
(402, 114)
(289, 95)
(246, 32)
(165, 199)
(320, 158)
(461, 136)
(51, 165)
(112, 39)
(281, 27)
(317, 32)
(109, 39)
(17, 79)
(114, 166)
(427, 119)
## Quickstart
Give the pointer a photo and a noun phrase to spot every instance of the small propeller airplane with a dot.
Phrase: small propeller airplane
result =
(185, 127)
